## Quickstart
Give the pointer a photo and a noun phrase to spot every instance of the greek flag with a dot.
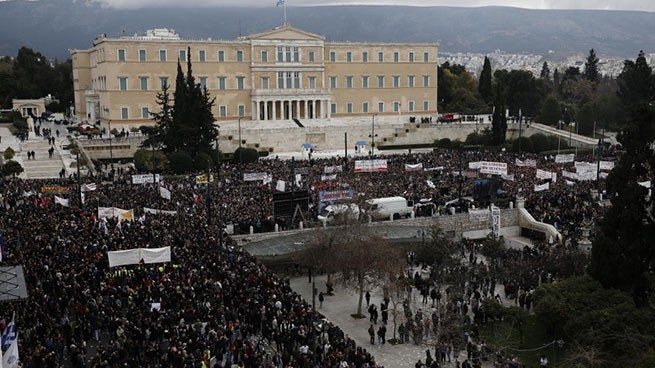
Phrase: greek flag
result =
(8, 335)
(280, 3)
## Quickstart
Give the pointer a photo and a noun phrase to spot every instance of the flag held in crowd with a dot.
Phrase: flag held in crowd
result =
(9, 334)
(62, 201)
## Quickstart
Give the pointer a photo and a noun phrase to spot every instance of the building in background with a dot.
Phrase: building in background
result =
(281, 74)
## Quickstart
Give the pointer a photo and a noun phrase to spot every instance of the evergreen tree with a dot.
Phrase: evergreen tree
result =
(591, 72)
(189, 126)
(484, 85)
(545, 71)
(623, 254)
(551, 112)
(160, 136)
(556, 82)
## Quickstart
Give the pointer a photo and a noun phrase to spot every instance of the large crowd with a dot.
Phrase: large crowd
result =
(213, 301)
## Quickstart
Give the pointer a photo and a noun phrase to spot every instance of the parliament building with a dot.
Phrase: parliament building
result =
(281, 74)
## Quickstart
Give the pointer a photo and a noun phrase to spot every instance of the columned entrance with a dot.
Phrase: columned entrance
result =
(287, 109)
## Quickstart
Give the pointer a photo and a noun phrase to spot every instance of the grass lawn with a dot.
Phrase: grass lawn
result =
(503, 335)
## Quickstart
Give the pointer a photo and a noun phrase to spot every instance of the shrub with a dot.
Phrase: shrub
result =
(246, 155)
(526, 145)
(9, 153)
(444, 143)
(180, 162)
(11, 167)
(202, 161)
(21, 126)
(539, 142)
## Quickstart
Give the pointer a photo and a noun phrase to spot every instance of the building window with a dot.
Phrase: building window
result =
(163, 82)
(365, 107)
(410, 56)
(201, 55)
(333, 108)
(396, 57)
(349, 107)
(296, 54)
(396, 81)
(426, 57)
(240, 82)
(222, 111)
(242, 110)
(125, 113)
(288, 81)
(426, 105)
(264, 82)
(312, 82)
(333, 82)
(380, 56)
(240, 56)
(365, 81)
(221, 82)
(264, 56)
(182, 55)
(143, 83)
(280, 54)
(333, 56)
(145, 113)
(349, 57)
(221, 56)
(122, 83)
(296, 79)
(410, 81)
(426, 81)
(203, 82)
(349, 82)
(162, 55)
(287, 54)
(121, 54)
(380, 81)
(365, 56)
(410, 107)
(380, 106)
(396, 106)
(280, 80)
(142, 55)
(311, 56)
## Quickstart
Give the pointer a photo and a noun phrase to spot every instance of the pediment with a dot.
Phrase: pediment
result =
(286, 32)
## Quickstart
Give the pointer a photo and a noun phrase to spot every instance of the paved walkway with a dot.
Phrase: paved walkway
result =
(338, 309)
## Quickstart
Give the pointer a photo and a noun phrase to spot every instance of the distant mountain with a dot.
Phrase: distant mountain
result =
(54, 26)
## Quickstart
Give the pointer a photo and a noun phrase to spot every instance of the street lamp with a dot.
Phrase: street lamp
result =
(111, 151)
(240, 151)
(372, 136)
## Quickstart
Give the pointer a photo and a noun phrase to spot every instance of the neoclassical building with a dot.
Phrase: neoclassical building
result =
(281, 74)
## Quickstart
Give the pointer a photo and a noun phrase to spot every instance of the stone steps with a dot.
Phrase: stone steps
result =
(42, 167)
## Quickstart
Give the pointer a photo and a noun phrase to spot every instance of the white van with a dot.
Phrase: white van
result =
(331, 212)
(389, 207)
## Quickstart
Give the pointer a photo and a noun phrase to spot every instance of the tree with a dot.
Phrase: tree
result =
(437, 251)
(551, 112)
(189, 125)
(149, 161)
(622, 255)
(161, 135)
(12, 168)
(591, 72)
(545, 71)
(484, 85)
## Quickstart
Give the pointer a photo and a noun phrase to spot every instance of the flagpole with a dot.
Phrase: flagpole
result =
(284, 5)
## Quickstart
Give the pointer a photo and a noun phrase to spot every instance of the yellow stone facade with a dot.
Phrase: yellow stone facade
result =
(280, 74)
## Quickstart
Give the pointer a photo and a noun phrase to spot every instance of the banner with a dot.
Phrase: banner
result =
(607, 165)
(645, 184)
(479, 215)
(414, 167)
(280, 186)
(333, 169)
(526, 163)
(254, 176)
(507, 177)
(370, 165)
(495, 220)
(165, 193)
(569, 175)
(55, 189)
(474, 165)
(438, 168)
(111, 212)
(547, 175)
(560, 159)
(156, 212)
(202, 179)
(542, 187)
(62, 201)
(136, 256)
(144, 178)
(586, 170)
(335, 195)
(570, 183)
(328, 177)
(430, 184)
(89, 187)
(494, 168)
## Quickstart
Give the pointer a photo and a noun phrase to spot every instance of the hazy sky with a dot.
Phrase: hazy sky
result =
(644, 5)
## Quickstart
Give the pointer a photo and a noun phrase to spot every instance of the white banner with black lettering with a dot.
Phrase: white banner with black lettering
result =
(155, 211)
(493, 168)
(560, 159)
(542, 187)
(332, 169)
(144, 178)
(479, 215)
(254, 176)
(137, 255)
(370, 165)
(526, 163)
(414, 167)
(543, 174)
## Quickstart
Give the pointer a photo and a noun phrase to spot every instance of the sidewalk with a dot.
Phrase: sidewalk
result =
(338, 308)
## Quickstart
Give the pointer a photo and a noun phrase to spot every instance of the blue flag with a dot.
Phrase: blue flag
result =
(8, 335)
(279, 3)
